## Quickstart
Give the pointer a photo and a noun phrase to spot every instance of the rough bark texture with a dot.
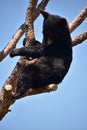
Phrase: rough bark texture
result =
(10, 84)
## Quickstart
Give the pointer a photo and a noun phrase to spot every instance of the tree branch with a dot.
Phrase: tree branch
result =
(78, 19)
(29, 30)
(75, 23)
(40, 7)
(11, 45)
(79, 39)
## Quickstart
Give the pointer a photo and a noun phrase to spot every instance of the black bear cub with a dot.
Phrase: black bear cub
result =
(54, 56)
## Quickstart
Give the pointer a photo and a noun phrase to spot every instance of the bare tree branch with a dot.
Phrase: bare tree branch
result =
(5, 93)
(78, 19)
(79, 39)
(75, 23)
(40, 7)
(11, 45)
(29, 30)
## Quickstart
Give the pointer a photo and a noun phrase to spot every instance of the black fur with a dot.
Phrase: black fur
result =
(54, 56)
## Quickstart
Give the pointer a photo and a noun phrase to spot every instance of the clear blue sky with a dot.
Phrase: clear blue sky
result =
(64, 109)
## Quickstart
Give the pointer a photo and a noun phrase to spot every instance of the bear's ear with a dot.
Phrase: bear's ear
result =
(45, 14)
(63, 22)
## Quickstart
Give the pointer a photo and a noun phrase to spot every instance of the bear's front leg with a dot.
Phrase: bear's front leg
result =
(19, 52)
